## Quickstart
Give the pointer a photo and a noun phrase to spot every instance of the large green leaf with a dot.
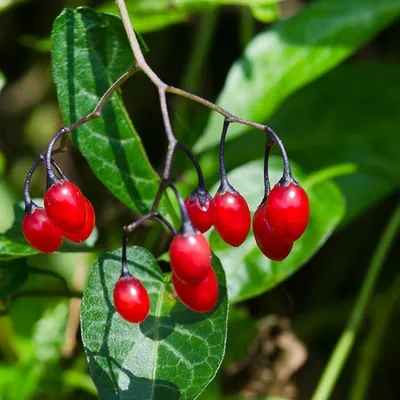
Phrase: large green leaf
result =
(90, 51)
(248, 271)
(293, 53)
(173, 354)
(147, 16)
(13, 244)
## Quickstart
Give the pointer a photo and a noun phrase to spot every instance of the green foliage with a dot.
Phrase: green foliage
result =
(266, 13)
(248, 271)
(341, 124)
(173, 354)
(292, 54)
(149, 16)
(38, 368)
(90, 51)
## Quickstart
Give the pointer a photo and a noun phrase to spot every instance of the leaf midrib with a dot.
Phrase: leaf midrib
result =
(156, 320)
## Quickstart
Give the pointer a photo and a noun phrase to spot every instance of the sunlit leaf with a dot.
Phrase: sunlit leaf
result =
(173, 354)
(293, 53)
(90, 51)
(147, 16)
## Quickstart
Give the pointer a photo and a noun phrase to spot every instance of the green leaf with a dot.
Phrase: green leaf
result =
(267, 13)
(248, 271)
(147, 16)
(13, 275)
(147, 21)
(90, 51)
(41, 369)
(292, 54)
(173, 354)
(13, 244)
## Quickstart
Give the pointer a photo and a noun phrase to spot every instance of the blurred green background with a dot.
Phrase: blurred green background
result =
(327, 80)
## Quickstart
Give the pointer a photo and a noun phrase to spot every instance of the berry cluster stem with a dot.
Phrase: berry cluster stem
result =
(163, 89)
(267, 184)
(200, 177)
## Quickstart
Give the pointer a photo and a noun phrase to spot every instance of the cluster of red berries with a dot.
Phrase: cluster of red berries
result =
(280, 219)
(193, 277)
(66, 213)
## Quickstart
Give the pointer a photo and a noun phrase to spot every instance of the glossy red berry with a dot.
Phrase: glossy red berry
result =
(232, 217)
(131, 299)
(270, 245)
(66, 206)
(288, 211)
(40, 232)
(202, 296)
(87, 229)
(190, 257)
(201, 211)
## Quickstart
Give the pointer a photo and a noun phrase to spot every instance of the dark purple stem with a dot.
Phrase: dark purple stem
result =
(187, 227)
(225, 185)
(195, 163)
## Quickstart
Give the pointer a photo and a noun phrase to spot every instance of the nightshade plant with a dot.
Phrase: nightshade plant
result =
(157, 328)
(67, 212)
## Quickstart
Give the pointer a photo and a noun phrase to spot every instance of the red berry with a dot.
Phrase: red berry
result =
(271, 245)
(288, 211)
(190, 257)
(131, 299)
(40, 232)
(66, 207)
(232, 221)
(87, 230)
(201, 213)
(202, 296)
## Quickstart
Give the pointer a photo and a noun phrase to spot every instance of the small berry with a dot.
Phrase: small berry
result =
(232, 221)
(87, 230)
(190, 257)
(202, 296)
(131, 299)
(288, 211)
(270, 245)
(40, 232)
(65, 206)
(201, 209)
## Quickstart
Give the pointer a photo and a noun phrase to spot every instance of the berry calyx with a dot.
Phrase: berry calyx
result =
(131, 299)
(190, 257)
(40, 232)
(288, 211)
(87, 229)
(270, 245)
(232, 217)
(66, 207)
(201, 209)
(200, 297)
